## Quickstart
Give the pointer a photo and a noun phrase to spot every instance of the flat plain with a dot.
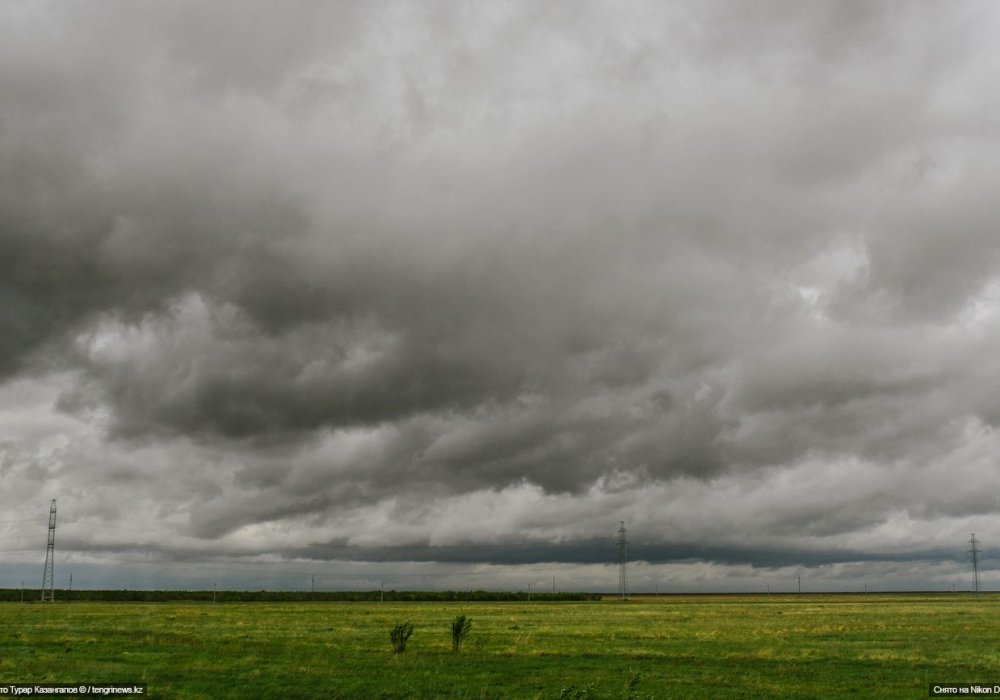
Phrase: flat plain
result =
(794, 646)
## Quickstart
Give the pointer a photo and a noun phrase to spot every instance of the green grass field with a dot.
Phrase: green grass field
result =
(865, 646)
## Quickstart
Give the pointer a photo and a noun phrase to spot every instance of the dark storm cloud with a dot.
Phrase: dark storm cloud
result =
(313, 259)
(577, 552)
(598, 552)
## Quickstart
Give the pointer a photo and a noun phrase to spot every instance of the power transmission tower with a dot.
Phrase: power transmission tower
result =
(622, 563)
(974, 555)
(48, 576)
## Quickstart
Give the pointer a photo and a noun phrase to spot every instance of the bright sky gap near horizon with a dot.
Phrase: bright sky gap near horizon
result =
(434, 295)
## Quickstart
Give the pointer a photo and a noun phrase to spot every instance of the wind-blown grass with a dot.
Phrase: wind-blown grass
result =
(789, 647)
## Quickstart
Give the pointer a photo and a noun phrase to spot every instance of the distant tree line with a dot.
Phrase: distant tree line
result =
(149, 596)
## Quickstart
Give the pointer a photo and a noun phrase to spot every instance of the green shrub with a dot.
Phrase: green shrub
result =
(399, 636)
(459, 629)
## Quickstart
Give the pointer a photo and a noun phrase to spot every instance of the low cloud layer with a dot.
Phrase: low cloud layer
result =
(474, 284)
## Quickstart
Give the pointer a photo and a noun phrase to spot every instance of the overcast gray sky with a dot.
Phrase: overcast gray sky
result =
(436, 294)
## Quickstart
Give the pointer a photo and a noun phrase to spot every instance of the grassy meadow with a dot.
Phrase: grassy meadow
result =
(865, 646)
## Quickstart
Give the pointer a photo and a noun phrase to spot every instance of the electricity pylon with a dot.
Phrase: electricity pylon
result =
(48, 576)
(622, 563)
(974, 556)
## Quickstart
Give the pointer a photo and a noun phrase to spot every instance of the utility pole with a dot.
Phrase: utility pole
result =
(799, 577)
(312, 586)
(71, 581)
(622, 563)
(22, 591)
(48, 576)
(974, 555)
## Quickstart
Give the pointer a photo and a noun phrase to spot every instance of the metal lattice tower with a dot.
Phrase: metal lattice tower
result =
(622, 563)
(49, 575)
(974, 556)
